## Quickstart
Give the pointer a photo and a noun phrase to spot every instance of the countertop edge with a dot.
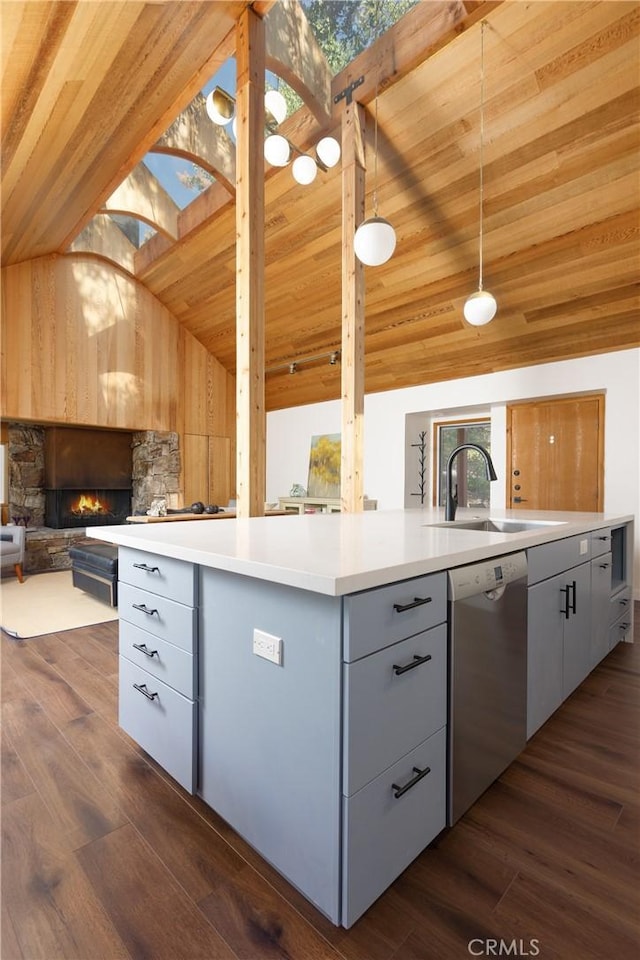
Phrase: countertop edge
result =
(455, 548)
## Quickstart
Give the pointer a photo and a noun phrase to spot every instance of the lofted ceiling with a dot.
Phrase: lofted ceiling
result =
(89, 88)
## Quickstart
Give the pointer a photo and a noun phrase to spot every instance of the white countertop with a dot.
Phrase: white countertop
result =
(342, 553)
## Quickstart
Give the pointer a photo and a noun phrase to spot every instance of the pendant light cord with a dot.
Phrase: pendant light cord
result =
(375, 156)
(482, 26)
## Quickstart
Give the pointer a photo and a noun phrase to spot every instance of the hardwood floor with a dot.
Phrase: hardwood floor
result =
(105, 857)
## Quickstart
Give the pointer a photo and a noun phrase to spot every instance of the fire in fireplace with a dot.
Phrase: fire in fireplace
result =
(85, 508)
(89, 505)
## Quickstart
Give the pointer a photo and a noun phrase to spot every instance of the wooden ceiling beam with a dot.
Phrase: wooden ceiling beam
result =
(293, 53)
(142, 195)
(192, 135)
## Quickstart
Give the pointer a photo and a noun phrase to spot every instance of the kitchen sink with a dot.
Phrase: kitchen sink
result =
(497, 525)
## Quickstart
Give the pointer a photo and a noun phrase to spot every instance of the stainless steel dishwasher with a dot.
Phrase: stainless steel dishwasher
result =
(487, 675)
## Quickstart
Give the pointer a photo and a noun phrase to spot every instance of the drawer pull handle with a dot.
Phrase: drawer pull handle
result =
(417, 602)
(623, 603)
(417, 660)
(604, 538)
(624, 626)
(142, 688)
(604, 566)
(419, 774)
(142, 647)
(146, 568)
(143, 609)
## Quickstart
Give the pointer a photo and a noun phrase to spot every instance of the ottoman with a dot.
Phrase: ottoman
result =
(94, 568)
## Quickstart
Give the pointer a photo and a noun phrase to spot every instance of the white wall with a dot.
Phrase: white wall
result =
(617, 374)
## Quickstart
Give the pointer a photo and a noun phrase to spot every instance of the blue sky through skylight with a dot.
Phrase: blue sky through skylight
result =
(165, 167)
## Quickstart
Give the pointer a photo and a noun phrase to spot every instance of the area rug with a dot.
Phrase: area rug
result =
(48, 603)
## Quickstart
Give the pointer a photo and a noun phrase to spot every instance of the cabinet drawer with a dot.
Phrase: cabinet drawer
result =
(175, 579)
(551, 558)
(161, 617)
(164, 726)
(377, 618)
(164, 660)
(618, 631)
(620, 604)
(383, 832)
(387, 713)
(600, 541)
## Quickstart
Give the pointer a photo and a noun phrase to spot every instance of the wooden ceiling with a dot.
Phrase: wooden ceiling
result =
(88, 88)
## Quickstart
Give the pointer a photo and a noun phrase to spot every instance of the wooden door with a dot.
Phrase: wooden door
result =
(555, 450)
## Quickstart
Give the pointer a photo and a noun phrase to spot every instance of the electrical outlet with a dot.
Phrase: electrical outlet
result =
(267, 646)
(584, 547)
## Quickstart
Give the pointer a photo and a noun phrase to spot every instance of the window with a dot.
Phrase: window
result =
(469, 468)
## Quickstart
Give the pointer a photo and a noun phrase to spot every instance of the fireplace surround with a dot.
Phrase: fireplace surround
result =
(87, 477)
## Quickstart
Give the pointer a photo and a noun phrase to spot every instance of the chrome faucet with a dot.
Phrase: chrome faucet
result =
(451, 501)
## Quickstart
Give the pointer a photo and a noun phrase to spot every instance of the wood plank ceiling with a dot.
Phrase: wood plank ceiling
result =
(88, 88)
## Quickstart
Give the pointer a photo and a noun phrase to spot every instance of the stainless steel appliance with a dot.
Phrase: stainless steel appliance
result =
(487, 675)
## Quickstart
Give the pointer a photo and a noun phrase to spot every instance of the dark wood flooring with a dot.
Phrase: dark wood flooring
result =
(104, 856)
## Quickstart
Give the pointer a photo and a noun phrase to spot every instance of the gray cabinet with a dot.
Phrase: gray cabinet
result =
(600, 607)
(558, 628)
(621, 601)
(158, 645)
(394, 733)
(313, 760)
(270, 734)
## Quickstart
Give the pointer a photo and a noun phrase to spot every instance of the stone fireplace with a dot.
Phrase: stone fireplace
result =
(152, 470)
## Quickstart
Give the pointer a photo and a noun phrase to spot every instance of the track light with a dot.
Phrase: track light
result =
(293, 366)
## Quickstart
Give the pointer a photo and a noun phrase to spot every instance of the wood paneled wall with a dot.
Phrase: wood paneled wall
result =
(84, 343)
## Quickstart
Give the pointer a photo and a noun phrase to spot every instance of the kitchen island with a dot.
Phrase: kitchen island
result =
(293, 672)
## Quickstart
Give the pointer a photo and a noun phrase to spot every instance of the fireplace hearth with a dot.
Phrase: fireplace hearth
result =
(86, 508)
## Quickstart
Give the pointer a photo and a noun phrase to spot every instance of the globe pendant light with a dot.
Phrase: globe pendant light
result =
(328, 150)
(304, 169)
(480, 307)
(276, 105)
(220, 106)
(277, 150)
(375, 238)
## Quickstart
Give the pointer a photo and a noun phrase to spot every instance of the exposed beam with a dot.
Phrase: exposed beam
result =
(103, 238)
(194, 136)
(293, 53)
(250, 408)
(352, 357)
(420, 33)
(142, 195)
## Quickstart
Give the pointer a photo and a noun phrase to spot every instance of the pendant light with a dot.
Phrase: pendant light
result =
(481, 306)
(375, 238)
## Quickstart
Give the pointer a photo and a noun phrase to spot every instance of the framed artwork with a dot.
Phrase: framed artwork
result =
(324, 466)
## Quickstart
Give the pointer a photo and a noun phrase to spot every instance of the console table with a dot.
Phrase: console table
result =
(317, 504)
